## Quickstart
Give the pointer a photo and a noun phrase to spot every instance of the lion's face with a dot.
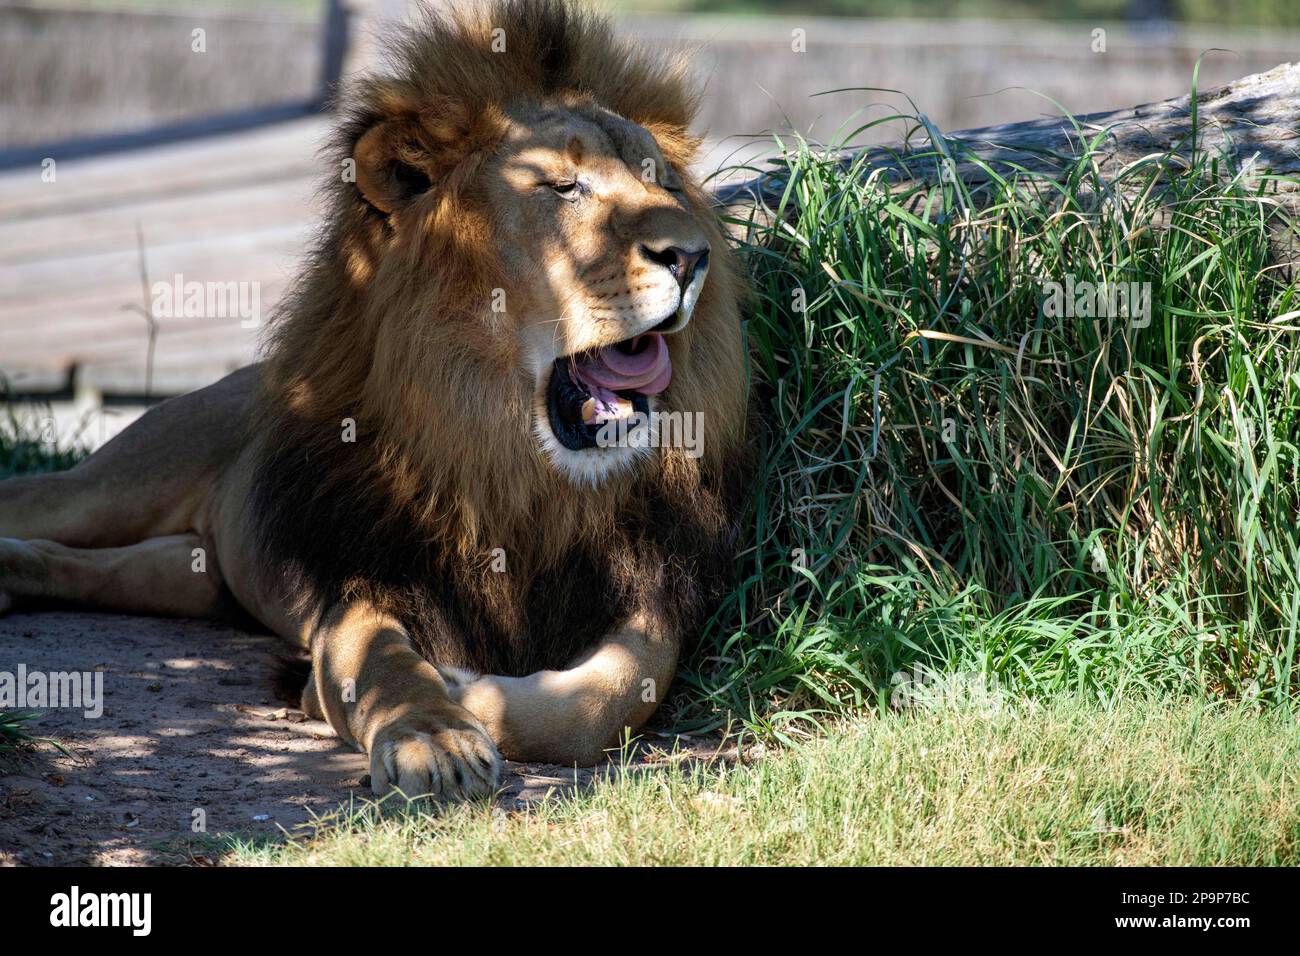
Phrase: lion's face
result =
(610, 261)
(535, 268)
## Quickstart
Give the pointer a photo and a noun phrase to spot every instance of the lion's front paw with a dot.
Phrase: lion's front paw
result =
(451, 759)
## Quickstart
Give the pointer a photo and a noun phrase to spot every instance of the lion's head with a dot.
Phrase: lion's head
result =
(524, 305)
(523, 249)
(615, 259)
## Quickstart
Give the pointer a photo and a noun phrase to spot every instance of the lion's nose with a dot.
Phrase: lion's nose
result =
(682, 263)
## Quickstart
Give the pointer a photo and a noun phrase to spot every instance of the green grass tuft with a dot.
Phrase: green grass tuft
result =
(16, 736)
(1062, 504)
(29, 441)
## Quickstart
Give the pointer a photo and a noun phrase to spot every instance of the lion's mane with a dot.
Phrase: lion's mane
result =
(444, 479)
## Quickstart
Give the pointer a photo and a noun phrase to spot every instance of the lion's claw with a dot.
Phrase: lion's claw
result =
(427, 758)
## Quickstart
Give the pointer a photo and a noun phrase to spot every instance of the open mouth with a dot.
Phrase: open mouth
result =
(590, 390)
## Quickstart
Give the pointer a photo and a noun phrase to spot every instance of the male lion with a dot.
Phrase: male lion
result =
(418, 484)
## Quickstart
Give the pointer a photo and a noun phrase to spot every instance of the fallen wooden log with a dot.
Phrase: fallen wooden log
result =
(1252, 126)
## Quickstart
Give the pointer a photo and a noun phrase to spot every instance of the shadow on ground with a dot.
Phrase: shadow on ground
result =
(190, 723)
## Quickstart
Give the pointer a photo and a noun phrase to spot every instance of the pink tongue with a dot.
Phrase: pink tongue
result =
(647, 370)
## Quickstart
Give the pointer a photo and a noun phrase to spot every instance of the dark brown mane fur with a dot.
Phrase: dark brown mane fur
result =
(444, 468)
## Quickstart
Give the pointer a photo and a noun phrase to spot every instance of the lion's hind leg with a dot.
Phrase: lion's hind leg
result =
(173, 576)
(150, 481)
(112, 498)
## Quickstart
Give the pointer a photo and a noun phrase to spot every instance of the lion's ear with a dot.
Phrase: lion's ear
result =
(408, 151)
(392, 166)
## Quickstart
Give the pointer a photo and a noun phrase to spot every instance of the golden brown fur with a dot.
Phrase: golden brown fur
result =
(387, 489)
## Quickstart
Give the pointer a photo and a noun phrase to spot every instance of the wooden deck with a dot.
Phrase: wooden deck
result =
(232, 208)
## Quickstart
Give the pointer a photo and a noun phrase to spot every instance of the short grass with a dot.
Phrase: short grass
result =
(1066, 782)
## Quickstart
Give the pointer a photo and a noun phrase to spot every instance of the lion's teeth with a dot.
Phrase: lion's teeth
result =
(596, 410)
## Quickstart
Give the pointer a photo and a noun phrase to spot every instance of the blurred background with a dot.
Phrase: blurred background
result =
(144, 143)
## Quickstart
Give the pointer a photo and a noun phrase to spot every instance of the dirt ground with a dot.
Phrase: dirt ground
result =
(191, 722)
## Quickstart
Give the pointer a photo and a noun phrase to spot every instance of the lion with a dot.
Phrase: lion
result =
(447, 482)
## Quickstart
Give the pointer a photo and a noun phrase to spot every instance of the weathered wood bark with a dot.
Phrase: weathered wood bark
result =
(1253, 124)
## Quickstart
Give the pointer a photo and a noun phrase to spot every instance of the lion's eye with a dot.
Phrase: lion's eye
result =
(568, 190)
